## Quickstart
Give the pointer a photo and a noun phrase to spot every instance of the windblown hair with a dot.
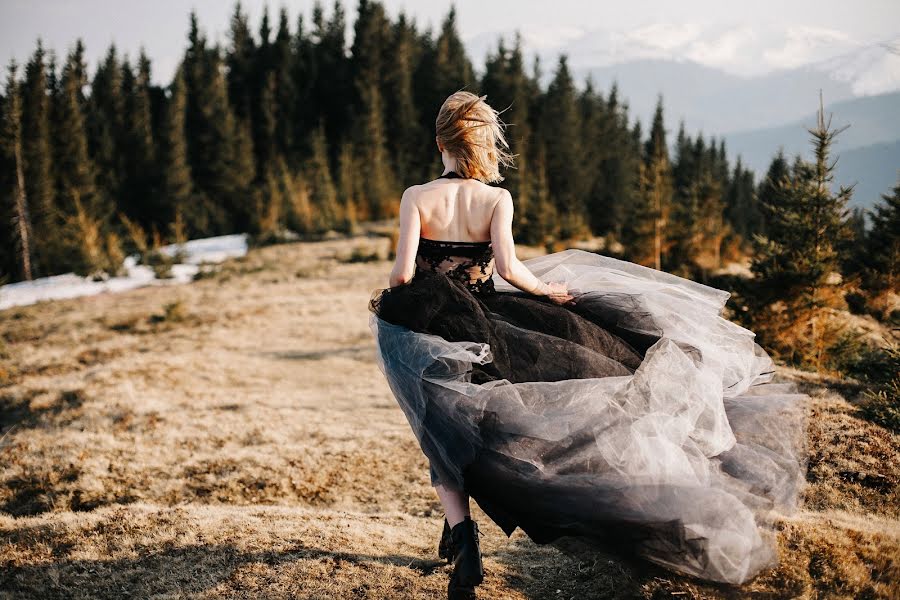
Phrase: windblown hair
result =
(472, 131)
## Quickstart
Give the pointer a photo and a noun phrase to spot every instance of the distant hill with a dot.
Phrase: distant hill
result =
(875, 168)
(719, 78)
(712, 101)
(872, 120)
(868, 150)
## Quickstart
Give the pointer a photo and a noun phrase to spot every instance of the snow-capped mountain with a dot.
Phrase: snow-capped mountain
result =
(867, 66)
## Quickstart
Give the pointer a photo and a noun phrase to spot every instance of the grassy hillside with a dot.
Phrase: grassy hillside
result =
(233, 438)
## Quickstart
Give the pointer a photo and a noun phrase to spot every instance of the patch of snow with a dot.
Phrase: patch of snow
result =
(70, 285)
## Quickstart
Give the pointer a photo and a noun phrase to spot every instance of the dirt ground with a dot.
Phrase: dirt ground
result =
(234, 438)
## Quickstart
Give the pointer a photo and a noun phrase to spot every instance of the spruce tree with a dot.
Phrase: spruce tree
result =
(646, 236)
(8, 263)
(220, 146)
(690, 176)
(105, 125)
(333, 81)
(443, 69)
(769, 189)
(177, 186)
(797, 264)
(323, 196)
(379, 187)
(241, 62)
(348, 188)
(616, 183)
(84, 210)
(141, 199)
(285, 91)
(402, 115)
(302, 107)
(559, 133)
(12, 148)
(37, 151)
(538, 218)
(882, 244)
(510, 90)
(453, 65)
(742, 210)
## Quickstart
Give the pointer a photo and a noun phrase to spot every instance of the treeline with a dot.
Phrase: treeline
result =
(288, 128)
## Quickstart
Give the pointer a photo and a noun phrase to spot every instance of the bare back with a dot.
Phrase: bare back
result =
(455, 209)
(462, 210)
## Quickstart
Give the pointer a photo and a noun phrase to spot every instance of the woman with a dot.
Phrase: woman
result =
(576, 396)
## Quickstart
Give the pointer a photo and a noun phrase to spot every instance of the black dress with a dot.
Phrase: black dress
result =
(634, 418)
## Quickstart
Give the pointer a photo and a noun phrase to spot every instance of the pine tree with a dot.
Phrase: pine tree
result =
(769, 189)
(742, 210)
(264, 119)
(882, 259)
(141, 198)
(285, 92)
(12, 142)
(37, 151)
(538, 219)
(509, 88)
(402, 118)
(332, 81)
(241, 59)
(370, 40)
(323, 196)
(85, 212)
(697, 227)
(658, 183)
(443, 69)
(691, 178)
(220, 146)
(559, 133)
(8, 263)
(177, 186)
(646, 236)
(796, 262)
(453, 66)
(348, 188)
(105, 125)
(302, 107)
(617, 172)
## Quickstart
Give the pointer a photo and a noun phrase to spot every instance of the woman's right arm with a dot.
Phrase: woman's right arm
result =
(508, 266)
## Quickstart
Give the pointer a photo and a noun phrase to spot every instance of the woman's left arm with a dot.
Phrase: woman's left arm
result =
(408, 241)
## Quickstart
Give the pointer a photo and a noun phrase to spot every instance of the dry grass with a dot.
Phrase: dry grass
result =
(233, 438)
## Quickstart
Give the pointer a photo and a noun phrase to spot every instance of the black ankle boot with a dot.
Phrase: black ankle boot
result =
(468, 570)
(455, 591)
(445, 547)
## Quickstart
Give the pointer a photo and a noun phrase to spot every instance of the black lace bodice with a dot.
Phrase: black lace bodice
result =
(472, 263)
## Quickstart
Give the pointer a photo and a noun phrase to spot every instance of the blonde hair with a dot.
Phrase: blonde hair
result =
(469, 129)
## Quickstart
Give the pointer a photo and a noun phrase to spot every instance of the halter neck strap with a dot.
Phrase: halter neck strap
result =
(452, 175)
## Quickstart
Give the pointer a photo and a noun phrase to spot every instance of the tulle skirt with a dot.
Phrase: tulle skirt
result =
(635, 418)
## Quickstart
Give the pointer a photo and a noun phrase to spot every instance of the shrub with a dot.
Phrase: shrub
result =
(879, 370)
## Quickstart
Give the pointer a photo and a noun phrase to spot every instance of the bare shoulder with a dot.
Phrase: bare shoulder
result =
(503, 199)
(411, 193)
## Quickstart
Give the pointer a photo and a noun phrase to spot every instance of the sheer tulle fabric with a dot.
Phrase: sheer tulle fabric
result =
(636, 418)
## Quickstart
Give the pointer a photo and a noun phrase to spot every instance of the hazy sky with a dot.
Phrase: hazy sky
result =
(161, 26)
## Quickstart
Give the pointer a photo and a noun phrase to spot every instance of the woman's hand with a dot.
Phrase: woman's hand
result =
(558, 292)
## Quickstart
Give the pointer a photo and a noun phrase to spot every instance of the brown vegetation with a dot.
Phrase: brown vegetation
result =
(233, 438)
